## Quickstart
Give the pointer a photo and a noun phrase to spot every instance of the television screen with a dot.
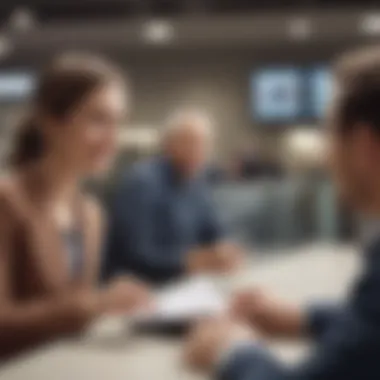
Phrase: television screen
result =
(277, 95)
(15, 86)
(285, 95)
(321, 91)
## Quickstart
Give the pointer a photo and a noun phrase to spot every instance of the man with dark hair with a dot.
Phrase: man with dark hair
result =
(347, 336)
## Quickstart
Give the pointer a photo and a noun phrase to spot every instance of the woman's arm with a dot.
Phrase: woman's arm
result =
(26, 323)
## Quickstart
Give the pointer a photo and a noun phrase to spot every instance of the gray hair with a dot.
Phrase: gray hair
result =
(187, 118)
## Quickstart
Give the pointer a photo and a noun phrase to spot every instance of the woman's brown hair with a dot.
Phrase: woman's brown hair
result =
(59, 91)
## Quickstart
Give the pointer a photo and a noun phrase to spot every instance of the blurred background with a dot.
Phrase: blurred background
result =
(261, 68)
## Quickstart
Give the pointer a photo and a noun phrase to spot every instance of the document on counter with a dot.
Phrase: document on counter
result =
(186, 301)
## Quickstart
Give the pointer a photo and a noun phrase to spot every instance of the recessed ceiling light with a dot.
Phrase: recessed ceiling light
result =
(300, 28)
(370, 24)
(22, 19)
(159, 32)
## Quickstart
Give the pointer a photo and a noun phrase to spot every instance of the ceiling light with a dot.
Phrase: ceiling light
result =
(159, 32)
(300, 28)
(370, 24)
(22, 19)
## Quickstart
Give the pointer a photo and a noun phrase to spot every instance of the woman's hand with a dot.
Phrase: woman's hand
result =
(125, 294)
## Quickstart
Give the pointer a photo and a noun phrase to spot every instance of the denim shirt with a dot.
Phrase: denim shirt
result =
(157, 218)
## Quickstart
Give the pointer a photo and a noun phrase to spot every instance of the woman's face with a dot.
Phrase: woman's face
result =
(87, 139)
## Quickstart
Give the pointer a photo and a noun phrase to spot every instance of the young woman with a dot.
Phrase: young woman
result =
(50, 231)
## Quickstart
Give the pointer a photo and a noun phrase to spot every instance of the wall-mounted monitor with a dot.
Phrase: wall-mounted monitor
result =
(287, 95)
(276, 95)
(321, 91)
(16, 86)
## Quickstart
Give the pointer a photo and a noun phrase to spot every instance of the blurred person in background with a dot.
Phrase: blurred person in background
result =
(50, 231)
(164, 225)
(347, 336)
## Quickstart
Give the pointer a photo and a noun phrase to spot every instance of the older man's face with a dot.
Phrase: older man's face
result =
(189, 148)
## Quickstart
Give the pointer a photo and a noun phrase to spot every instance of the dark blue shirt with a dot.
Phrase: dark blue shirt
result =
(158, 217)
(347, 339)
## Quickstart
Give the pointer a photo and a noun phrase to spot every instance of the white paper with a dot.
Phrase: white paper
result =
(191, 299)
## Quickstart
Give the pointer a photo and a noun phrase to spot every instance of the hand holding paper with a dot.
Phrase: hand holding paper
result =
(193, 299)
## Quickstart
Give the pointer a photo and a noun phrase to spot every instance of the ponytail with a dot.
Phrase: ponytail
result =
(28, 143)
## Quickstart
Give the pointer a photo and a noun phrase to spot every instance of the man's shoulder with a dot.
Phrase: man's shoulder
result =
(372, 254)
(203, 185)
(367, 287)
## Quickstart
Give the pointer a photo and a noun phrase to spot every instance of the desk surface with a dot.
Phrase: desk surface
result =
(314, 271)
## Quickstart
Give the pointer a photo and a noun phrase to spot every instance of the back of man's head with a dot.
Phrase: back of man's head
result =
(355, 119)
(358, 90)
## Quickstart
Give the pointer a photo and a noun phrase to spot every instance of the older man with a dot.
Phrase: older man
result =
(163, 223)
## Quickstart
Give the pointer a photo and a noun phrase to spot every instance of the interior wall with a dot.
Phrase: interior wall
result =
(220, 87)
(216, 81)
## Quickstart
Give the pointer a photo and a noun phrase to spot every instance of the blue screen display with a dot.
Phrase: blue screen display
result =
(16, 86)
(290, 94)
(321, 91)
(277, 94)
